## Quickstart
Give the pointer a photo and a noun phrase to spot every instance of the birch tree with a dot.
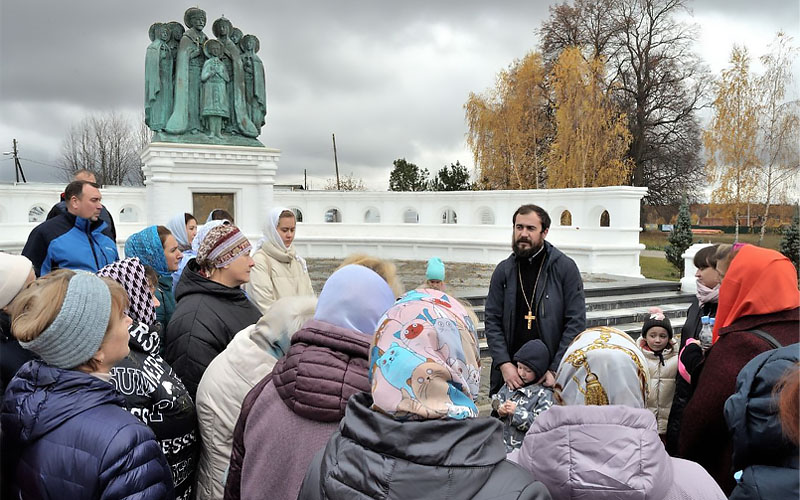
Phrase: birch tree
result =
(779, 125)
(508, 127)
(592, 138)
(731, 138)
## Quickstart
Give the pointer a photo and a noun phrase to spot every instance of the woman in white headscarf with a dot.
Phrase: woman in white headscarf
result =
(600, 441)
(278, 271)
(183, 227)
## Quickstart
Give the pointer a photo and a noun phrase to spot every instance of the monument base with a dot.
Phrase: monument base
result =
(191, 177)
(202, 138)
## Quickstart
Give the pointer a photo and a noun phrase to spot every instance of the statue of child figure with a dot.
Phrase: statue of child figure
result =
(215, 106)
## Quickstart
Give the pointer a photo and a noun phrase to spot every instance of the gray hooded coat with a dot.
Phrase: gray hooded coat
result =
(375, 456)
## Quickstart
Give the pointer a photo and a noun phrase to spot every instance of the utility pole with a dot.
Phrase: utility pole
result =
(336, 162)
(305, 179)
(17, 167)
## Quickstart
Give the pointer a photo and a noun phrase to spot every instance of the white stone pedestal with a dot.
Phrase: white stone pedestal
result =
(173, 172)
(689, 282)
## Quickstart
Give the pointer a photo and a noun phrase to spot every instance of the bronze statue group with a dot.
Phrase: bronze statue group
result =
(202, 88)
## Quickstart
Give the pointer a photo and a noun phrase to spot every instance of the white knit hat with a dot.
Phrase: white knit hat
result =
(14, 271)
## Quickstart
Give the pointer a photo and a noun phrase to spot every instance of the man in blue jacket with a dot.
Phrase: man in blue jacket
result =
(61, 207)
(75, 239)
(536, 293)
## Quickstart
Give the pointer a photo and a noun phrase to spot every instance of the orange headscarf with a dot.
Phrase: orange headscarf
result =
(758, 281)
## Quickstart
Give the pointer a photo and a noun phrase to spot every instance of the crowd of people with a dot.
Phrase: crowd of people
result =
(199, 366)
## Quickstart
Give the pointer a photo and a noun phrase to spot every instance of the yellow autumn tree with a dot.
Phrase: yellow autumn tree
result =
(508, 128)
(592, 138)
(731, 137)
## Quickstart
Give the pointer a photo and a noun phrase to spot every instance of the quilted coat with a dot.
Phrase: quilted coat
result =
(373, 455)
(769, 460)
(69, 437)
(608, 452)
(207, 317)
(287, 420)
(663, 371)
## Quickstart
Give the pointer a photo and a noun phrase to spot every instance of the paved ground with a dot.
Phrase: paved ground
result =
(654, 253)
(460, 277)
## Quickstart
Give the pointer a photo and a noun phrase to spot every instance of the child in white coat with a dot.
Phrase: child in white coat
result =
(661, 352)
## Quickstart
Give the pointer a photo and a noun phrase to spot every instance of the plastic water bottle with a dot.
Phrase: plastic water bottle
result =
(706, 332)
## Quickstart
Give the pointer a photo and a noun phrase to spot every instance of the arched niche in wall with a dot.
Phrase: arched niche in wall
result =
(129, 213)
(565, 219)
(449, 216)
(37, 213)
(605, 219)
(298, 214)
(485, 216)
(372, 215)
(333, 215)
(410, 216)
(597, 216)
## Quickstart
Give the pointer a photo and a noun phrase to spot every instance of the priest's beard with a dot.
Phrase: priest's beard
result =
(527, 252)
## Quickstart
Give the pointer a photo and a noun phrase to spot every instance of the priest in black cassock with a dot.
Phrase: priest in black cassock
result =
(536, 293)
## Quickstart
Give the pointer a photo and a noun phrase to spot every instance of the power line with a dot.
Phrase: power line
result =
(40, 163)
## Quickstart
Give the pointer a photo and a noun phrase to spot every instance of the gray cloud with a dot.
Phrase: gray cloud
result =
(389, 78)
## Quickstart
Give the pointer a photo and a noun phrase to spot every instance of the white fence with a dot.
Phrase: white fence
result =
(597, 227)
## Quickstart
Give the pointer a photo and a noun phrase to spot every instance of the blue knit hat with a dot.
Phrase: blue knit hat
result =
(435, 269)
(78, 330)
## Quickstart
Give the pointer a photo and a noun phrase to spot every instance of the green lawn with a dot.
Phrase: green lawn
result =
(658, 269)
(657, 240)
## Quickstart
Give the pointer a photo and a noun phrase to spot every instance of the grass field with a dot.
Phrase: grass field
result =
(657, 240)
(658, 268)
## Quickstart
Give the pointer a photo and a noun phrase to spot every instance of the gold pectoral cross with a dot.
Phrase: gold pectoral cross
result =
(530, 317)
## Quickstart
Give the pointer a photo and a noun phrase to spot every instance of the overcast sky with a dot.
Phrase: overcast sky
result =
(388, 78)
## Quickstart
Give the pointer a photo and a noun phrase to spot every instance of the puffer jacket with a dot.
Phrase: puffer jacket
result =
(155, 395)
(768, 459)
(608, 452)
(205, 320)
(277, 273)
(73, 439)
(290, 418)
(375, 456)
(249, 357)
(663, 370)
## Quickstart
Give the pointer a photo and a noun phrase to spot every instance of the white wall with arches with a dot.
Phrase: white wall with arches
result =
(469, 226)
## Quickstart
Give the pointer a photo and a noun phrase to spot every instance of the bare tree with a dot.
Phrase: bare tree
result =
(779, 122)
(347, 183)
(106, 143)
(655, 76)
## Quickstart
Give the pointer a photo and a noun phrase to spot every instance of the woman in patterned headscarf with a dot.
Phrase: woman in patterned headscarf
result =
(415, 435)
(602, 441)
(153, 392)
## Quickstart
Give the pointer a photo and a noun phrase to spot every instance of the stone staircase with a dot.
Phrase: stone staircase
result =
(624, 307)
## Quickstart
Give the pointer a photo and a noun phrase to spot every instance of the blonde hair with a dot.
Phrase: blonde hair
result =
(36, 307)
(384, 268)
(724, 256)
